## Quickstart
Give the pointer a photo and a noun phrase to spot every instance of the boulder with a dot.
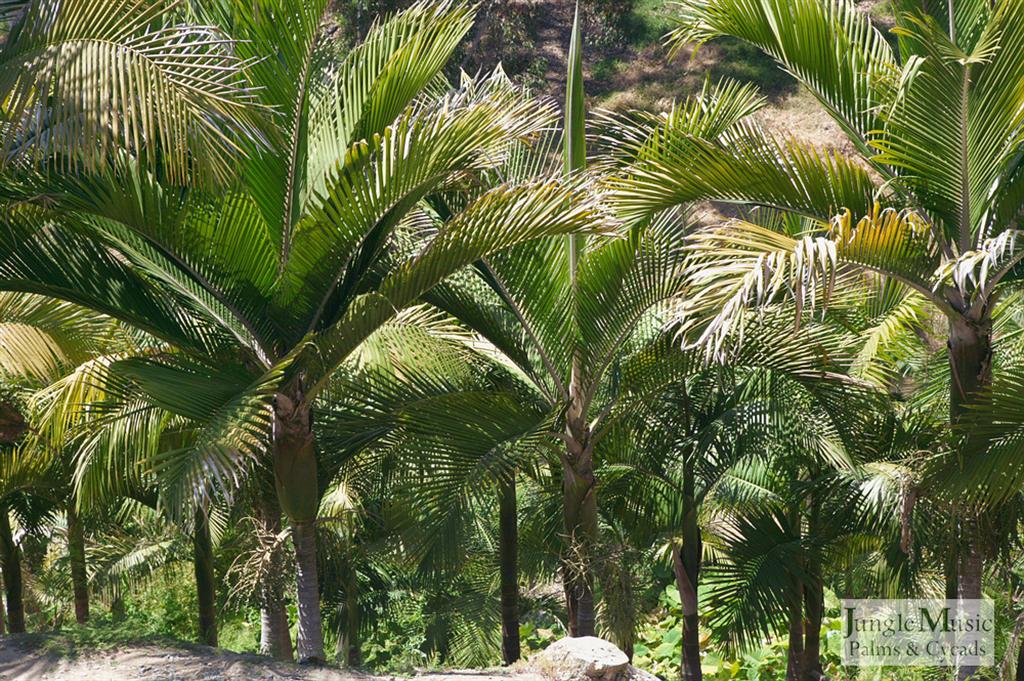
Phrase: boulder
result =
(637, 674)
(586, 658)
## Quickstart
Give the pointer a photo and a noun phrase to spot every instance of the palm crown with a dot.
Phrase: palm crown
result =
(931, 201)
(267, 285)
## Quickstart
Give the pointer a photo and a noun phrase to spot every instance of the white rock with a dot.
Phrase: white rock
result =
(637, 674)
(586, 658)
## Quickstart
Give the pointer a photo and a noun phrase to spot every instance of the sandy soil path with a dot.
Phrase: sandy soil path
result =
(41, 658)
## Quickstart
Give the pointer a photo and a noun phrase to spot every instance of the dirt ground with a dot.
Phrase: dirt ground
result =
(43, 658)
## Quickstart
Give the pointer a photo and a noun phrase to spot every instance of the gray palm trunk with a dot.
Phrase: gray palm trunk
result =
(206, 583)
(275, 637)
(10, 565)
(508, 547)
(970, 360)
(579, 510)
(76, 557)
(310, 642)
(686, 563)
(295, 474)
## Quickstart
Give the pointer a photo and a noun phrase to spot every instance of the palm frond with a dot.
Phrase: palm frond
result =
(831, 47)
(40, 336)
(745, 164)
(87, 78)
(501, 218)
(381, 179)
(956, 162)
(739, 265)
(377, 80)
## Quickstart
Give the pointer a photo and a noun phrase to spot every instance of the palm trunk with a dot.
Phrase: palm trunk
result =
(795, 657)
(282, 631)
(685, 585)
(1019, 675)
(349, 650)
(10, 564)
(508, 547)
(949, 571)
(686, 562)
(295, 474)
(310, 642)
(275, 638)
(814, 603)
(76, 557)
(579, 510)
(969, 588)
(970, 360)
(206, 584)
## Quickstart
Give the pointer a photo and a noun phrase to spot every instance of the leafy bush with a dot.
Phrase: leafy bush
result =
(659, 649)
(396, 645)
(166, 606)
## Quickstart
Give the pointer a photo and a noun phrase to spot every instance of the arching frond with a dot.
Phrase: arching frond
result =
(740, 265)
(40, 336)
(85, 79)
(831, 47)
(501, 218)
(956, 162)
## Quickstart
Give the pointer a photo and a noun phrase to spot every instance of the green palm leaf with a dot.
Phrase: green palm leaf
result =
(84, 79)
(501, 218)
(745, 164)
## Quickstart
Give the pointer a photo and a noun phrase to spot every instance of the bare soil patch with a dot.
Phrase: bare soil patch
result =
(48, 657)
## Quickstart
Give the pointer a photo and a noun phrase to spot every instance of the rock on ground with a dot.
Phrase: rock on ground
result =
(586, 658)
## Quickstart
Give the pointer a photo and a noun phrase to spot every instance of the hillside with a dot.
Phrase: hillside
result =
(626, 63)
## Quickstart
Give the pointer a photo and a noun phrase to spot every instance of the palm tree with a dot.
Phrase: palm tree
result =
(802, 524)
(448, 419)
(663, 461)
(565, 312)
(698, 441)
(127, 448)
(265, 287)
(44, 339)
(58, 354)
(931, 199)
(436, 428)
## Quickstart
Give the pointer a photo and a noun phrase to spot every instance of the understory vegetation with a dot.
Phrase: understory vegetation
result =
(406, 335)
